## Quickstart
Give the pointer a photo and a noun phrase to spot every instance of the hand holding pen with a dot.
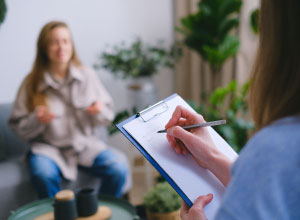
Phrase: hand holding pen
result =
(197, 141)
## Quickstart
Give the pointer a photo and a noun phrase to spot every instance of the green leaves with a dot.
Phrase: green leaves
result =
(120, 116)
(228, 7)
(208, 30)
(254, 20)
(137, 59)
(229, 103)
(162, 198)
(2, 10)
(217, 56)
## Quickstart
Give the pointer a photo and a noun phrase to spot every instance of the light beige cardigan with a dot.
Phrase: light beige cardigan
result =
(70, 138)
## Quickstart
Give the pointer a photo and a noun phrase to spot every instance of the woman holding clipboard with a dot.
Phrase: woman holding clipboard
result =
(263, 183)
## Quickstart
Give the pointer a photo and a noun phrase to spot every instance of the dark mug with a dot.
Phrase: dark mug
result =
(87, 202)
(65, 205)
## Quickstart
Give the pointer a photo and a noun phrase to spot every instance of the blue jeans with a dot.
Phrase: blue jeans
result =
(46, 175)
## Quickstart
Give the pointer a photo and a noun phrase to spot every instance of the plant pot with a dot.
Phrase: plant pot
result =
(142, 92)
(175, 215)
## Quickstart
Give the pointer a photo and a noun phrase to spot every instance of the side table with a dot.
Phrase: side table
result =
(121, 209)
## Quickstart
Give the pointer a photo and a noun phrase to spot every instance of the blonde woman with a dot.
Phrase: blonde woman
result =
(57, 109)
(264, 182)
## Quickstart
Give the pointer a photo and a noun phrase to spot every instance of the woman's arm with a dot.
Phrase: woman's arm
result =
(26, 124)
(198, 142)
(102, 109)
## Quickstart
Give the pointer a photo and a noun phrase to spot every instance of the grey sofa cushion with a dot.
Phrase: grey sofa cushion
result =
(10, 145)
(16, 188)
(2, 150)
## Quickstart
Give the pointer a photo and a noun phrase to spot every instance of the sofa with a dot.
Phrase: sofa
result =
(15, 186)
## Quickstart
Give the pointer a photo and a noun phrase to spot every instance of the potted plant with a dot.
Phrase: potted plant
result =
(209, 33)
(138, 62)
(162, 202)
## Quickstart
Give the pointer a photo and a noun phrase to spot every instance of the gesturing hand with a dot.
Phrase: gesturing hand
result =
(43, 114)
(196, 211)
(94, 108)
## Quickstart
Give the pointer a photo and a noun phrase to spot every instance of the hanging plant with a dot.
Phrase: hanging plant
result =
(3, 10)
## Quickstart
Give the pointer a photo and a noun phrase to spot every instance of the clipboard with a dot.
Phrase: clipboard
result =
(154, 112)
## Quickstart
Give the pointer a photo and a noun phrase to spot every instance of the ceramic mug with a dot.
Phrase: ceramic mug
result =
(87, 202)
(65, 205)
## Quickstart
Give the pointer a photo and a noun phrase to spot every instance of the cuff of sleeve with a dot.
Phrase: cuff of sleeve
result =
(105, 116)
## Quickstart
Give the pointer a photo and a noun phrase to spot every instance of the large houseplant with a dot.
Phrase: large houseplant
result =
(162, 202)
(209, 33)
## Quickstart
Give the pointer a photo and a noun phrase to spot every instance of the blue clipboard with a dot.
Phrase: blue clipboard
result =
(148, 156)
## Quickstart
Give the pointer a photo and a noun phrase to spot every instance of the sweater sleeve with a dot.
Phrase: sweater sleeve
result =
(106, 114)
(24, 123)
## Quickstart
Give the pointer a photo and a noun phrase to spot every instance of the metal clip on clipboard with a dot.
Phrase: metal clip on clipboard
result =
(153, 111)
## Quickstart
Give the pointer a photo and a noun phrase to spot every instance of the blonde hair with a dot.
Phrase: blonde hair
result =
(35, 77)
(275, 81)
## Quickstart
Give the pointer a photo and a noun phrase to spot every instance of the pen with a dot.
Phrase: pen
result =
(201, 125)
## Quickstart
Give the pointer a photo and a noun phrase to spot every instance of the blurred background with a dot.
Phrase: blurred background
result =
(202, 50)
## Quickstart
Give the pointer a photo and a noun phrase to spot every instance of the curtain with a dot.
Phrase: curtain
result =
(192, 73)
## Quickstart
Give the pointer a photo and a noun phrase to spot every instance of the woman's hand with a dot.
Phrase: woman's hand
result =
(197, 141)
(43, 115)
(196, 211)
(94, 108)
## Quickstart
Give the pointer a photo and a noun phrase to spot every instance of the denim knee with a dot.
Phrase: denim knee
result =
(43, 168)
(119, 170)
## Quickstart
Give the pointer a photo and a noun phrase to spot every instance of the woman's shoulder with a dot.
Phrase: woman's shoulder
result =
(283, 132)
(81, 68)
(264, 174)
(82, 71)
(276, 143)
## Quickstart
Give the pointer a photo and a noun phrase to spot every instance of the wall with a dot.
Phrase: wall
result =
(95, 25)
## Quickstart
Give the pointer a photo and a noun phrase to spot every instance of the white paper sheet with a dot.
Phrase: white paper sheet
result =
(192, 179)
